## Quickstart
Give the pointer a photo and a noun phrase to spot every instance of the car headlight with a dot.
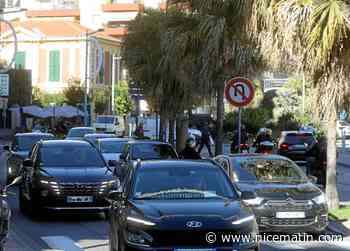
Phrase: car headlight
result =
(49, 184)
(321, 199)
(254, 202)
(140, 221)
(243, 220)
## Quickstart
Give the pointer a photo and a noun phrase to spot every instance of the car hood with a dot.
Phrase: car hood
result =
(303, 191)
(111, 156)
(21, 154)
(180, 210)
(78, 174)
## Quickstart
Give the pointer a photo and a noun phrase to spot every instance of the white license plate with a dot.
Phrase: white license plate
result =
(290, 215)
(191, 249)
(79, 199)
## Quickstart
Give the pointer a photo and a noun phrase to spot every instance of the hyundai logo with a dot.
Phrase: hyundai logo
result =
(194, 224)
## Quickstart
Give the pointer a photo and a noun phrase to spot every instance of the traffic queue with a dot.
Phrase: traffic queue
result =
(157, 199)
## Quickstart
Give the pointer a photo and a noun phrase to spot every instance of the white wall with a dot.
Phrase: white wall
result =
(152, 3)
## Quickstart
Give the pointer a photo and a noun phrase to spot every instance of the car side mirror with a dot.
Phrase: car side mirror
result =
(7, 148)
(115, 196)
(248, 195)
(313, 179)
(27, 163)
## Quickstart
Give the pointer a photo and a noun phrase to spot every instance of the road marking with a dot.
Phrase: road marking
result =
(61, 243)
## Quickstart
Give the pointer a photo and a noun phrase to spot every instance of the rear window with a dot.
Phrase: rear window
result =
(153, 152)
(26, 142)
(80, 132)
(299, 138)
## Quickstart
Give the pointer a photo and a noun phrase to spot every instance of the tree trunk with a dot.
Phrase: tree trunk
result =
(181, 132)
(126, 126)
(171, 131)
(331, 184)
(162, 127)
(220, 109)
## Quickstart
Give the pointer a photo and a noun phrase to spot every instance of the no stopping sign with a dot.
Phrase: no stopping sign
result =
(239, 91)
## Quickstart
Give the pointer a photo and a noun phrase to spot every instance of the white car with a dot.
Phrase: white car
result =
(343, 128)
(111, 148)
(107, 124)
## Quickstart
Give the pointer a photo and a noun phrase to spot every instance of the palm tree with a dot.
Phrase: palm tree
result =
(313, 36)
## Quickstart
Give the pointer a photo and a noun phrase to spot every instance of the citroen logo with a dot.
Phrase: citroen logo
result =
(194, 224)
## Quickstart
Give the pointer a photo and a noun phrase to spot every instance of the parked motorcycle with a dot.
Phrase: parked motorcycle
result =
(5, 212)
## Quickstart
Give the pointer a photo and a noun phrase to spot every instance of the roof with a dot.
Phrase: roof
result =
(176, 163)
(135, 141)
(53, 13)
(35, 134)
(65, 143)
(96, 135)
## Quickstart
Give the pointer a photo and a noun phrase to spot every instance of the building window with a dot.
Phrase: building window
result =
(54, 66)
(20, 60)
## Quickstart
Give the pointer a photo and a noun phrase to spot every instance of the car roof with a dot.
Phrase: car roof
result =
(151, 142)
(256, 155)
(82, 128)
(92, 135)
(176, 163)
(34, 134)
(113, 139)
(65, 142)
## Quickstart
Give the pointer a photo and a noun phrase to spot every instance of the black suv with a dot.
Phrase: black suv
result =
(179, 205)
(64, 175)
(287, 200)
(295, 146)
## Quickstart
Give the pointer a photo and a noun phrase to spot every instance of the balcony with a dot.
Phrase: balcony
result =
(123, 7)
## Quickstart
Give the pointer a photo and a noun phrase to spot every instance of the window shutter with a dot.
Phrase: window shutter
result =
(20, 60)
(54, 66)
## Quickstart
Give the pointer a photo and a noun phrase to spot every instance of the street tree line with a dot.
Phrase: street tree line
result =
(184, 55)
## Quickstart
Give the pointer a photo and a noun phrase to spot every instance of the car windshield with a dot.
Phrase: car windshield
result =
(179, 183)
(25, 143)
(79, 133)
(105, 120)
(145, 151)
(70, 156)
(269, 171)
(299, 138)
(112, 146)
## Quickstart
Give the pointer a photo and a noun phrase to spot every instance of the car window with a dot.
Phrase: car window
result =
(112, 146)
(299, 138)
(70, 156)
(269, 171)
(178, 182)
(26, 142)
(146, 151)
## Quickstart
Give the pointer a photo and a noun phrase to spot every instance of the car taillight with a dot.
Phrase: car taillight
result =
(284, 146)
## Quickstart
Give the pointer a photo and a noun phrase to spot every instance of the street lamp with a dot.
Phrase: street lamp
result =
(87, 34)
(118, 58)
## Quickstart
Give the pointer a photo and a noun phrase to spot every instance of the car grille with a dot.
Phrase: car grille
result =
(294, 205)
(286, 222)
(79, 188)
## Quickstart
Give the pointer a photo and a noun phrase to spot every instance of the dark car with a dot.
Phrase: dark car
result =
(286, 200)
(78, 133)
(92, 138)
(20, 148)
(179, 205)
(295, 145)
(144, 150)
(64, 175)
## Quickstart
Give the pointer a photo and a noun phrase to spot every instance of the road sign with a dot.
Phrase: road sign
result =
(4, 85)
(239, 91)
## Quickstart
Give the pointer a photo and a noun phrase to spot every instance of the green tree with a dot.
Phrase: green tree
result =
(310, 36)
(74, 93)
(43, 99)
(101, 99)
(123, 102)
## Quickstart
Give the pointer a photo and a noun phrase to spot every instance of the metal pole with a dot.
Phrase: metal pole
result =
(113, 85)
(239, 128)
(157, 134)
(86, 80)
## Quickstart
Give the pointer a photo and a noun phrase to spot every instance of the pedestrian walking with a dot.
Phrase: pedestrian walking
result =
(205, 140)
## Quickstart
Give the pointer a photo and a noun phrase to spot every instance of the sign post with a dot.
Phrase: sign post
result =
(239, 92)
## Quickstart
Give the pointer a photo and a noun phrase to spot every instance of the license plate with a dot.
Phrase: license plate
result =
(79, 199)
(290, 215)
(191, 249)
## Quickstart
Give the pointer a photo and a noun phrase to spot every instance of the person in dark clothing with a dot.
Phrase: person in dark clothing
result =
(205, 140)
(262, 136)
(190, 152)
